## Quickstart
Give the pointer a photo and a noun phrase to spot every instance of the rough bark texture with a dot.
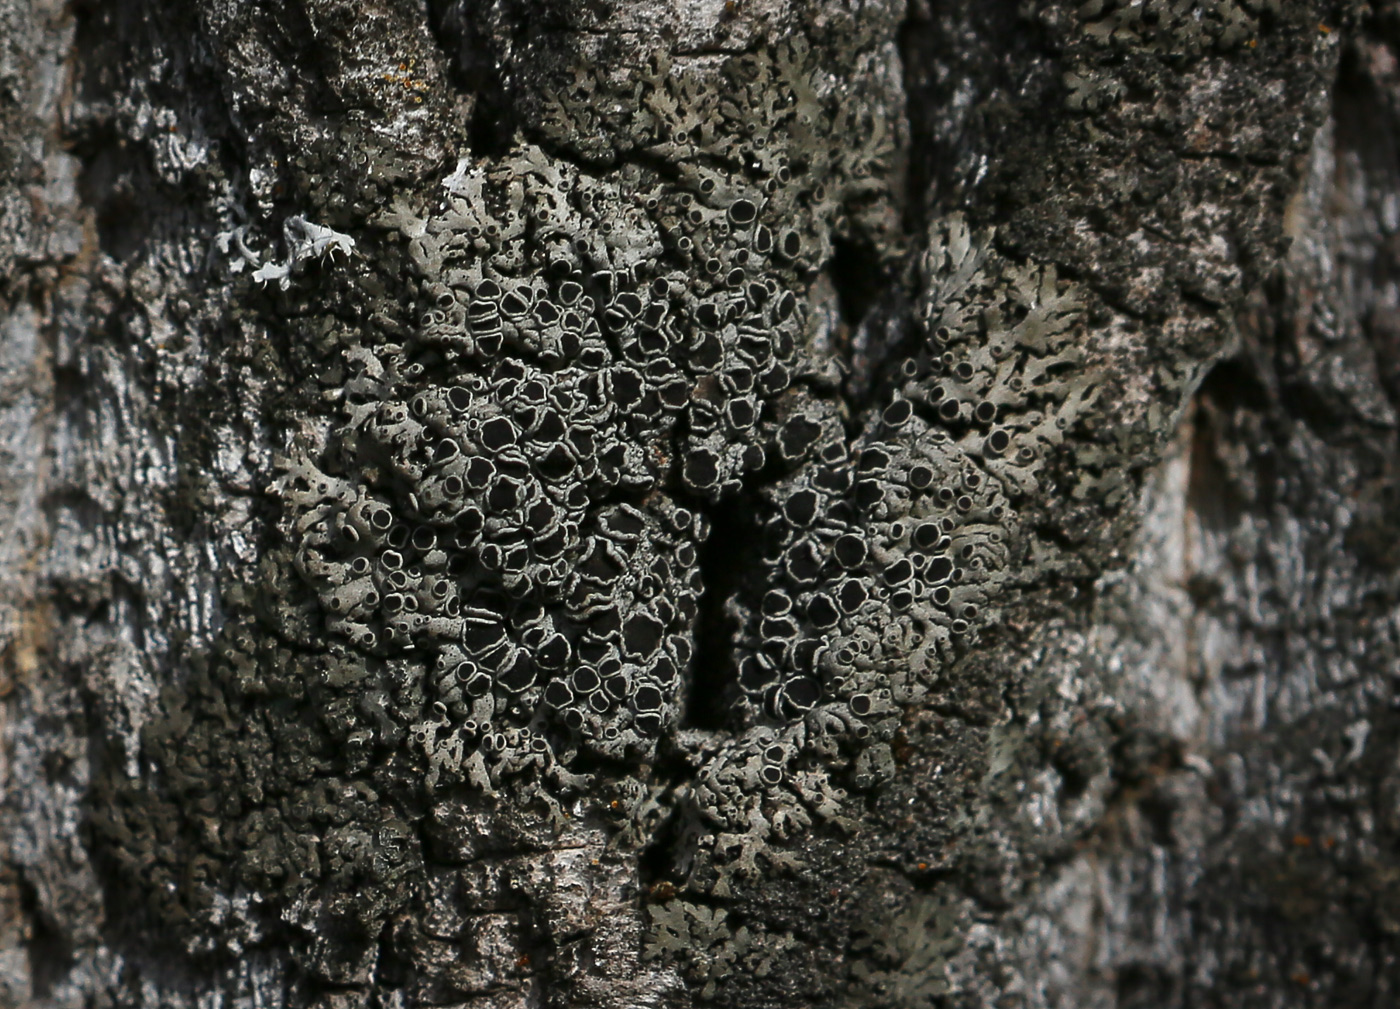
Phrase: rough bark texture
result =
(749, 503)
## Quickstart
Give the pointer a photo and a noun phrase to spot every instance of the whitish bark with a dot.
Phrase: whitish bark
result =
(755, 504)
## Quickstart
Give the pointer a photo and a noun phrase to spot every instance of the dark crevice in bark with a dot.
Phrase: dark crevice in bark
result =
(477, 58)
(1358, 104)
(883, 333)
(956, 59)
(657, 860)
(856, 275)
(109, 184)
(474, 69)
(912, 40)
(733, 544)
(605, 767)
(1233, 381)
(50, 952)
(491, 129)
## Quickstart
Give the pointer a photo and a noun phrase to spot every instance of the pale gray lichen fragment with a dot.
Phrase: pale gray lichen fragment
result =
(304, 241)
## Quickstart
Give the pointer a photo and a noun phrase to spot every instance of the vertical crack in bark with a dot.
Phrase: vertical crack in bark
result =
(727, 562)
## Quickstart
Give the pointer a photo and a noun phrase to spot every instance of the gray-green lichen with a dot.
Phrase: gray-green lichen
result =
(486, 575)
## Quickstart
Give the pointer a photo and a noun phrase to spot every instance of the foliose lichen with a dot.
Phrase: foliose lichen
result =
(486, 577)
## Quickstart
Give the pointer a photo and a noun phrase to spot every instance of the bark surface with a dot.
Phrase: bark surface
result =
(759, 503)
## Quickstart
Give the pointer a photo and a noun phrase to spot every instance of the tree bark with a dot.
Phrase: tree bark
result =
(748, 504)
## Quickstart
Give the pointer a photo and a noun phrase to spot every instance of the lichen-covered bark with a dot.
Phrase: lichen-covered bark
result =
(756, 504)
(1248, 858)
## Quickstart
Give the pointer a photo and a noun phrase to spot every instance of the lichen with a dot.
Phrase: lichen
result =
(710, 947)
(884, 554)
(486, 570)
(1176, 26)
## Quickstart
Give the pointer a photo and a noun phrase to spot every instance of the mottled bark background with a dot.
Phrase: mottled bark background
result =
(1119, 279)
